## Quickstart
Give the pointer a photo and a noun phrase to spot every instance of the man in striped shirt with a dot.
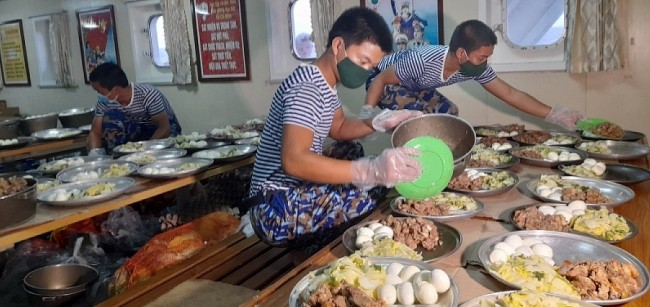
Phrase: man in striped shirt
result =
(127, 112)
(409, 79)
(296, 190)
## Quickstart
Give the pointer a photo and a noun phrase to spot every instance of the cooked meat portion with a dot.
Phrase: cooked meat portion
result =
(514, 127)
(462, 182)
(609, 130)
(489, 140)
(423, 207)
(533, 219)
(481, 163)
(529, 154)
(533, 137)
(12, 185)
(342, 296)
(414, 232)
(591, 196)
(601, 280)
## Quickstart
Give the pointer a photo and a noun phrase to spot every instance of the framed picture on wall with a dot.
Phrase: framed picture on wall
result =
(221, 40)
(13, 57)
(414, 23)
(97, 38)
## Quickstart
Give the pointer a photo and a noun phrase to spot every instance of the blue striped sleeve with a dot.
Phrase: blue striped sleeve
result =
(302, 106)
(409, 69)
(487, 76)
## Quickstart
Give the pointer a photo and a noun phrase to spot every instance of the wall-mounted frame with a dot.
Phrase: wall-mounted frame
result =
(414, 23)
(97, 38)
(13, 57)
(220, 39)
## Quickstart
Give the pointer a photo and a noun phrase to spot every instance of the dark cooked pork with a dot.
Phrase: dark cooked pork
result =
(342, 296)
(601, 280)
(533, 219)
(413, 232)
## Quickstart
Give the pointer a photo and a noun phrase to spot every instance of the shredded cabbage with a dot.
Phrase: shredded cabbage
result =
(528, 298)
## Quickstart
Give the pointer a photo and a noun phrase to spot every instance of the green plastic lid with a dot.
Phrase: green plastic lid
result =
(437, 163)
(590, 123)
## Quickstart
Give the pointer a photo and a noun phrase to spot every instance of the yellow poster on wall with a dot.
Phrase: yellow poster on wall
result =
(13, 58)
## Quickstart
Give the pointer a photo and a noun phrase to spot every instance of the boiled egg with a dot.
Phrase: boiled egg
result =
(505, 146)
(384, 231)
(574, 156)
(408, 272)
(362, 240)
(542, 250)
(496, 146)
(426, 293)
(541, 187)
(546, 210)
(509, 250)
(393, 279)
(553, 156)
(555, 196)
(498, 256)
(524, 251)
(550, 261)
(513, 240)
(577, 205)
(365, 231)
(530, 241)
(394, 268)
(405, 293)
(440, 280)
(388, 293)
(424, 275)
(566, 141)
(567, 215)
(374, 225)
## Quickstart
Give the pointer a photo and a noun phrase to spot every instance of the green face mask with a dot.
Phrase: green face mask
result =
(470, 69)
(351, 74)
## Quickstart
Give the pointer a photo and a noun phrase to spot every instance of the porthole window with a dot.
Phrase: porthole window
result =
(534, 24)
(302, 44)
(157, 42)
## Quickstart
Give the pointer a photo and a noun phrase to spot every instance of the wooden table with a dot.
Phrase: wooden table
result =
(44, 148)
(50, 218)
(471, 281)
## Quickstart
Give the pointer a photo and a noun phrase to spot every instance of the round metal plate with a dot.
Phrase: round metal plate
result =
(629, 136)
(489, 130)
(22, 141)
(625, 174)
(513, 160)
(243, 150)
(622, 151)
(175, 164)
(571, 247)
(210, 144)
(85, 128)
(633, 229)
(488, 192)
(618, 194)
(146, 145)
(478, 140)
(554, 136)
(230, 137)
(68, 175)
(453, 215)
(450, 237)
(157, 155)
(300, 294)
(56, 133)
(546, 162)
(491, 298)
(248, 141)
(56, 166)
(121, 185)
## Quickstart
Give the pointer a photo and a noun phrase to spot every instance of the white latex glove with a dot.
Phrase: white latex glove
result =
(392, 166)
(367, 111)
(564, 117)
(387, 120)
(97, 152)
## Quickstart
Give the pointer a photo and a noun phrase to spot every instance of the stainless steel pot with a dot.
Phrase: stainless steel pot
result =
(42, 300)
(31, 125)
(9, 128)
(18, 207)
(77, 117)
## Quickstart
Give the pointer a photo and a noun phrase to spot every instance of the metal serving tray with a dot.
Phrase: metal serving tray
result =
(453, 216)
(513, 160)
(68, 175)
(175, 164)
(300, 293)
(22, 141)
(156, 154)
(629, 136)
(488, 192)
(449, 236)
(621, 151)
(146, 145)
(493, 297)
(56, 133)
(246, 150)
(571, 247)
(547, 162)
(618, 194)
(44, 167)
(121, 185)
(575, 137)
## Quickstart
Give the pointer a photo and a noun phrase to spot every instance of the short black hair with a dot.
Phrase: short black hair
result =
(472, 35)
(358, 25)
(108, 76)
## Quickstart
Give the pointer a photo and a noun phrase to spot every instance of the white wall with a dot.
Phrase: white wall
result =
(619, 96)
